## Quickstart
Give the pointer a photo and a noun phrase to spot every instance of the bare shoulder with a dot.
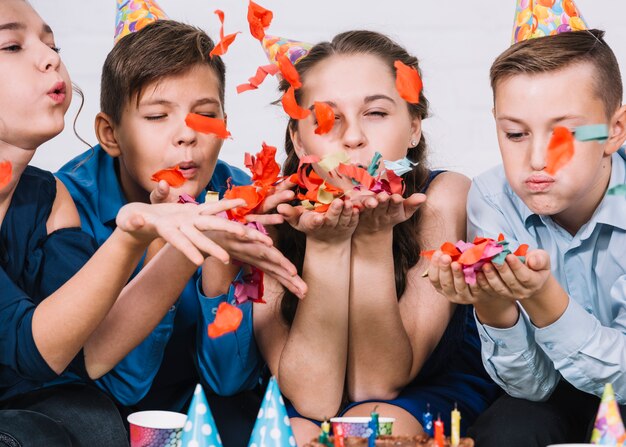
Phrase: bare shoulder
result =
(64, 213)
(444, 214)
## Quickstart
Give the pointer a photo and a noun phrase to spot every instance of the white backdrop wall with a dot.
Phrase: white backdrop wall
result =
(455, 40)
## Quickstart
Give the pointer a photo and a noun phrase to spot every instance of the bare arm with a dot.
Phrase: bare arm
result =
(389, 351)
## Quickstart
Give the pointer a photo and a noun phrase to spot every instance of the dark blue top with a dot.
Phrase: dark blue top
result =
(33, 264)
(164, 369)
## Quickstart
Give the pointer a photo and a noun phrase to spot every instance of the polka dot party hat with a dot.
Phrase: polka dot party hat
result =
(272, 427)
(200, 429)
(132, 15)
(538, 18)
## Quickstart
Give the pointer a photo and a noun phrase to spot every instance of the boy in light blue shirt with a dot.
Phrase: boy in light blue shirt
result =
(553, 328)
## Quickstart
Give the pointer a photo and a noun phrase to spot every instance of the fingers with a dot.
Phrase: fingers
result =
(495, 281)
(179, 241)
(538, 260)
(412, 203)
(265, 219)
(161, 193)
(273, 200)
(204, 244)
(219, 206)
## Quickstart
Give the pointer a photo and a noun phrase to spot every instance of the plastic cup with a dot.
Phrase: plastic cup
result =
(359, 426)
(156, 428)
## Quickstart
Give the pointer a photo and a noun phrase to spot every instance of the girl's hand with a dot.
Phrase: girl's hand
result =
(182, 225)
(384, 211)
(282, 193)
(336, 224)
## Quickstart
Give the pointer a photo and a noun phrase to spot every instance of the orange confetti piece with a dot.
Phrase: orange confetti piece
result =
(325, 117)
(287, 69)
(521, 250)
(473, 254)
(172, 176)
(205, 124)
(227, 319)
(560, 149)
(251, 194)
(225, 41)
(259, 19)
(264, 168)
(408, 82)
(291, 106)
(396, 183)
(357, 173)
(258, 78)
(6, 173)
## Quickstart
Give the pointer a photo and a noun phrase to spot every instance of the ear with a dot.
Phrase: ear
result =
(105, 132)
(617, 131)
(294, 134)
(416, 129)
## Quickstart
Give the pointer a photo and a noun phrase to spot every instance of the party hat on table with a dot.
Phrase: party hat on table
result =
(609, 428)
(200, 429)
(272, 427)
(293, 49)
(132, 15)
(538, 18)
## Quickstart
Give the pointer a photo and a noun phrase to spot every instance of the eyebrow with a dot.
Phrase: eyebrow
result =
(164, 102)
(367, 100)
(17, 26)
(555, 120)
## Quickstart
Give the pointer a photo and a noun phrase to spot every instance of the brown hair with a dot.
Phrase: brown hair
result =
(553, 53)
(405, 246)
(161, 49)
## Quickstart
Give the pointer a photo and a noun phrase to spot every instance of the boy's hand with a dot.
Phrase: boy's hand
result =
(267, 215)
(161, 193)
(383, 211)
(336, 224)
(182, 225)
(515, 280)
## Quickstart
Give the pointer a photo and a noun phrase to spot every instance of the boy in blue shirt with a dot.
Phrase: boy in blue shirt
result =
(553, 328)
(151, 80)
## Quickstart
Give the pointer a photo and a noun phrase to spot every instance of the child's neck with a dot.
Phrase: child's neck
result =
(576, 216)
(19, 159)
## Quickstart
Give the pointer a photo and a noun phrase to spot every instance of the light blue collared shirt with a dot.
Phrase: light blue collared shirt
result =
(587, 344)
(227, 364)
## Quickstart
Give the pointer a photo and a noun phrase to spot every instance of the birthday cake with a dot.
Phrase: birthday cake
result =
(393, 441)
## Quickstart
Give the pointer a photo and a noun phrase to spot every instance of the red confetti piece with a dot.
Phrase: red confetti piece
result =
(225, 41)
(258, 78)
(259, 19)
(408, 82)
(325, 116)
(205, 124)
(291, 107)
(287, 69)
(357, 173)
(263, 166)
(6, 173)
(251, 194)
(227, 319)
(173, 177)
(560, 149)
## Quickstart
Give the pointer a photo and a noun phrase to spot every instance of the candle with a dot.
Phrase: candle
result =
(323, 437)
(427, 421)
(439, 438)
(455, 434)
(373, 426)
(338, 431)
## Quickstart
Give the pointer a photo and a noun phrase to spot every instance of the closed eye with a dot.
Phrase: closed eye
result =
(12, 48)
(155, 117)
(516, 136)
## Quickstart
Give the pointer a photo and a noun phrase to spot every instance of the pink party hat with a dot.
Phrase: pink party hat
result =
(132, 15)
(609, 428)
(294, 49)
(538, 18)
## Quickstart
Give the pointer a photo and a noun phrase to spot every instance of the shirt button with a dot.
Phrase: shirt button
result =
(173, 308)
(589, 309)
(483, 338)
(549, 345)
(214, 311)
(500, 343)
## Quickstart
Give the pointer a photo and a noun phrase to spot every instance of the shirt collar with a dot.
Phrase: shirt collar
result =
(111, 197)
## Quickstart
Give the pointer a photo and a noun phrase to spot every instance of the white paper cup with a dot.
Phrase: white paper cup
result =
(156, 428)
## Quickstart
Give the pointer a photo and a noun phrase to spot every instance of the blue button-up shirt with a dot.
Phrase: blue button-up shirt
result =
(227, 364)
(587, 345)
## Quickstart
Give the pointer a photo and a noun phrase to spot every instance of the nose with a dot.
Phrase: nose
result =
(353, 136)
(538, 151)
(185, 136)
(49, 59)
